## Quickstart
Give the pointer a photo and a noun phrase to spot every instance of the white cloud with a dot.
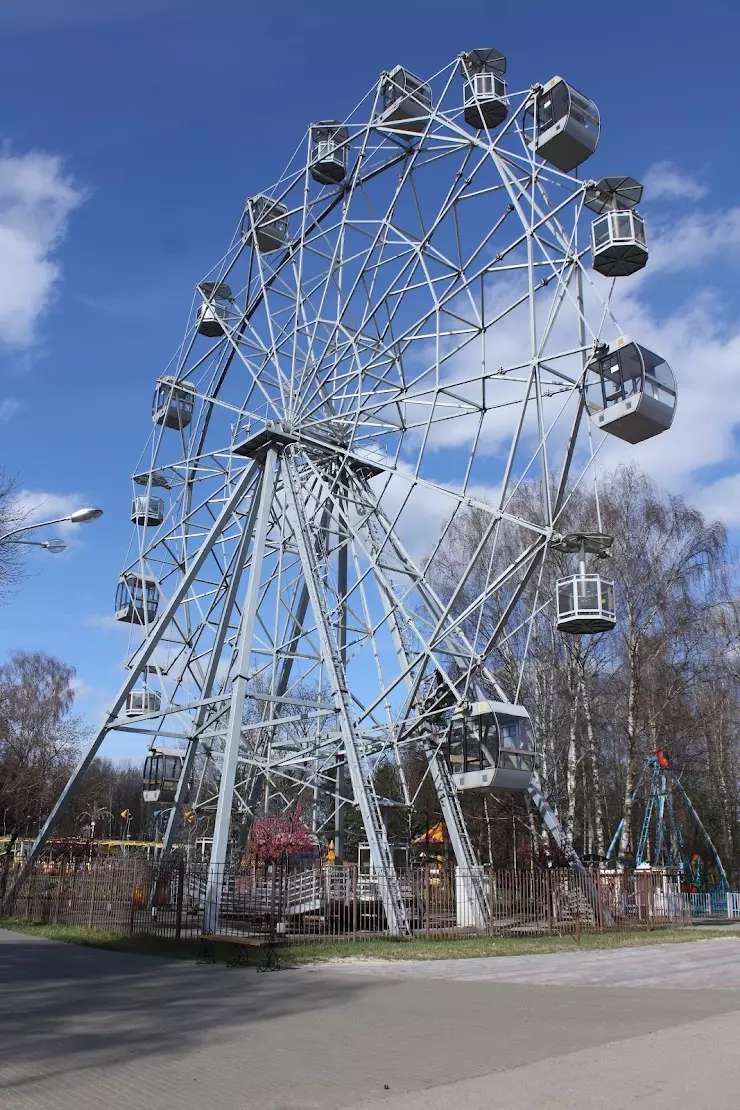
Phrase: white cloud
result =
(86, 691)
(692, 241)
(720, 500)
(36, 200)
(665, 179)
(34, 506)
(8, 408)
(105, 622)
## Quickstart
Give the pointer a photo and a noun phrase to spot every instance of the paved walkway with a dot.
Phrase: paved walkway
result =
(82, 1029)
(714, 964)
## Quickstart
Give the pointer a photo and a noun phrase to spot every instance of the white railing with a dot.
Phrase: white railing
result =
(701, 905)
(719, 904)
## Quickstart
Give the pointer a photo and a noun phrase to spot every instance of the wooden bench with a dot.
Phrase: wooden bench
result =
(207, 953)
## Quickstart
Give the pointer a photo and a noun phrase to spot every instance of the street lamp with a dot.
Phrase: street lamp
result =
(79, 516)
(55, 546)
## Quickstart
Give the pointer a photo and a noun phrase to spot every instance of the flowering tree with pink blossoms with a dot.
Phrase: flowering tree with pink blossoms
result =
(280, 836)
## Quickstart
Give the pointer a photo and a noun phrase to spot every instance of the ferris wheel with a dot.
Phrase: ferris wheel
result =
(413, 323)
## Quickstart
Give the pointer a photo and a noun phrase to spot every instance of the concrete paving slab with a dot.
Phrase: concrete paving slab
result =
(712, 964)
(696, 1065)
(86, 1028)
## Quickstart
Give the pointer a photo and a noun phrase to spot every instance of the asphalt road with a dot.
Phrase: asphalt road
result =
(82, 1029)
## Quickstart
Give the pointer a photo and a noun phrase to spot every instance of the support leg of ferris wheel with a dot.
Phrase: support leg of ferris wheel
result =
(552, 823)
(138, 662)
(342, 581)
(464, 852)
(457, 830)
(266, 735)
(232, 741)
(205, 711)
(377, 837)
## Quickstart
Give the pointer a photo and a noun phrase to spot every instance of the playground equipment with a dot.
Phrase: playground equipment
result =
(661, 843)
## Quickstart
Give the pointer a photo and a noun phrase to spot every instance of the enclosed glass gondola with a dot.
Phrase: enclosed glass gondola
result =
(147, 511)
(618, 244)
(491, 746)
(631, 392)
(328, 152)
(406, 101)
(162, 769)
(585, 605)
(213, 314)
(484, 92)
(269, 219)
(173, 403)
(141, 703)
(566, 127)
(584, 601)
(137, 598)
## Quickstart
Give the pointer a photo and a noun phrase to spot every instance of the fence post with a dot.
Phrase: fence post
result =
(353, 900)
(133, 897)
(92, 896)
(273, 893)
(427, 891)
(491, 888)
(180, 893)
(109, 905)
(59, 892)
(599, 898)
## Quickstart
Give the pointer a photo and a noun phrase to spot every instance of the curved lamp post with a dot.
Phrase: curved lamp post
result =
(79, 516)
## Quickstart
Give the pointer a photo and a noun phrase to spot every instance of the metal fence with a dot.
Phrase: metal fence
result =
(103, 894)
(174, 898)
(718, 903)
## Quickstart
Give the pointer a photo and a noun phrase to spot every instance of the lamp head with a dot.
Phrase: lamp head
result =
(55, 546)
(81, 516)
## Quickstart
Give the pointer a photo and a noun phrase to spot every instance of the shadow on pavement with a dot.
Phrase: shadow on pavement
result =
(66, 1008)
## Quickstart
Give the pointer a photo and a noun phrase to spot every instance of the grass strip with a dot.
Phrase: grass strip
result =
(381, 948)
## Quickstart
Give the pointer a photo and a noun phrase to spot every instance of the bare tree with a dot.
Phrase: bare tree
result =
(39, 740)
(669, 675)
(11, 517)
(667, 569)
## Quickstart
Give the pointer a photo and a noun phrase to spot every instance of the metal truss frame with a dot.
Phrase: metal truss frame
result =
(415, 351)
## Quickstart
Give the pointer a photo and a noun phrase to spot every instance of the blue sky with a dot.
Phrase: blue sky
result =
(132, 131)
